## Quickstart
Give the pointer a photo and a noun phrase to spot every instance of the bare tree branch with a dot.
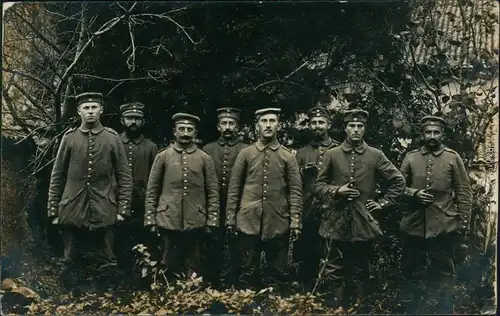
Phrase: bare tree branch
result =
(37, 32)
(165, 16)
(31, 77)
(284, 78)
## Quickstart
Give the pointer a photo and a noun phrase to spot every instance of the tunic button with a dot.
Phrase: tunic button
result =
(225, 167)
(223, 184)
(224, 172)
(223, 179)
(90, 169)
(185, 174)
(90, 154)
(320, 163)
(265, 184)
(185, 188)
(185, 181)
(265, 191)
(265, 177)
(185, 162)
(185, 193)
(90, 161)
(185, 169)
(352, 157)
(52, 208)
(264, 198)
(88, 183)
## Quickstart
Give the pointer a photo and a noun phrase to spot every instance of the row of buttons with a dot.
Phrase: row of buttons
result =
(224, 167)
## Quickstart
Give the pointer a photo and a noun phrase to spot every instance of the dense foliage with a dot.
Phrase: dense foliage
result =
(197, 57)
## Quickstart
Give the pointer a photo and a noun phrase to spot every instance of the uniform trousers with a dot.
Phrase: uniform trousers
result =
(346, 271)
(429, 270)
(81, 241)
(181, 251)
(249, 249)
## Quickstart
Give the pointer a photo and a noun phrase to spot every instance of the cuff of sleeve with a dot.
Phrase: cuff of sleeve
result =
(230, 222)
(53, 208)
(149, 219)
(332, 189)
(384, 203)
(296, 222)
(213, 221)
(411, 191)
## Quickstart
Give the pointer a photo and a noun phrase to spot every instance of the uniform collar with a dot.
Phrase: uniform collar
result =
(189, 149)
(261, 146)
(136, 140)
(348, 147)
(323, 143)
(233, 141)
(424, 150)
(96, 130)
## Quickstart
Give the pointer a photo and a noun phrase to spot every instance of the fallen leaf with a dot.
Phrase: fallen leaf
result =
(24, 291)
(8, 284)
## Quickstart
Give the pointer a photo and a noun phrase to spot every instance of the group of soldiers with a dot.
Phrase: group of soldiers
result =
(216, 209)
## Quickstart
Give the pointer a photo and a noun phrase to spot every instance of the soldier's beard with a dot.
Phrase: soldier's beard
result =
(133, 131)
(319, 135)
(432, 144)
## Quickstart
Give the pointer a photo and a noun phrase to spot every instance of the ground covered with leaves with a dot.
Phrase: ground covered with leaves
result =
(38, 290)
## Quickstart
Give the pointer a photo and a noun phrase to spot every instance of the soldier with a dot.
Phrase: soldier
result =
(440, 203)
(224, 152)
(310, 159)
(182, 198)
(141, 153)
(348, 180)
(264, 202)
(90, 186)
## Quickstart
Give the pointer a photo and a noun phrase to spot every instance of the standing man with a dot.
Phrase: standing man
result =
(264, 202)
(141, 153)
(440, 205)
(348, 181)
(182, 197)
(310, 159)
(90, 186)
(223, 152)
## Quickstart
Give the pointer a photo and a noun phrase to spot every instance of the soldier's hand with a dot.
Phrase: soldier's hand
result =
(424, 196)
(231, 230)
(373, 206)
(295, 234)
(55, 220)
(347, 191)
(152, 229)
(119, 218)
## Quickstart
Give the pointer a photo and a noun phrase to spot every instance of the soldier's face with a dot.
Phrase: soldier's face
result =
(90, 112)
(132, 123)
(227, 127)
(355, 131)
(433, 136)
(184, 133)
(319, 126)
(268, 125)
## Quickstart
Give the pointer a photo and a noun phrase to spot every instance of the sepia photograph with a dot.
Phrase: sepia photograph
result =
(249, 157)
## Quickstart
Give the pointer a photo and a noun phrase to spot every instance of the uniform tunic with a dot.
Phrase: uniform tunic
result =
(141, 153)
(90, 182)
(182, 192)
(443, 174)
(224, 155)
(350, 220)
(265, 191)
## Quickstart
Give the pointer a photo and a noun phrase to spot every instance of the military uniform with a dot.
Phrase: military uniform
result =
(141, 153)
(223, 153)
(182, 197)
(310, 159)
(434, 228)
(348, 228)
(264, 202)
(90, 185)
